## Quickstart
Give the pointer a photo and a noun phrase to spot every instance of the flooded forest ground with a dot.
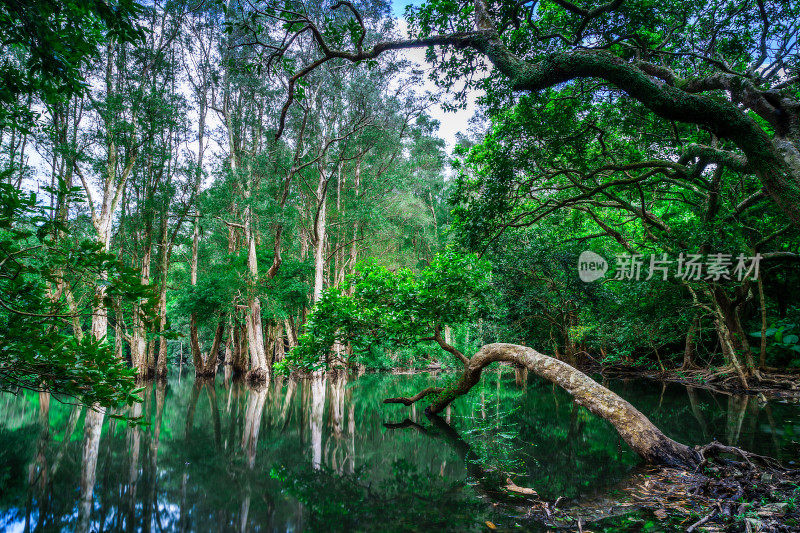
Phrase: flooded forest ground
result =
(325, 453)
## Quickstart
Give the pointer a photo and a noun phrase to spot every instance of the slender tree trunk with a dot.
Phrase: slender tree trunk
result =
(688, 351)
(138, 333)
(72, 305)
(520, 376)
(118, 331)
(161, 356)
(762, 359)
(291, 333)
(279, 350)
(320, 230)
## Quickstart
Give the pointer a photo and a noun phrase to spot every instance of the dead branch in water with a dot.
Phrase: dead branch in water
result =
(417, 397)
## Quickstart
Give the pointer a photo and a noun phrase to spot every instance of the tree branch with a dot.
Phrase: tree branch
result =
(437, 336)
(417, 397)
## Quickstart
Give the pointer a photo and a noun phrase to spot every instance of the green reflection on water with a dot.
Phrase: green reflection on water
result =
(316, 455)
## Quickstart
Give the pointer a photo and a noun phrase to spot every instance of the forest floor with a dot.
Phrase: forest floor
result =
(743, 494)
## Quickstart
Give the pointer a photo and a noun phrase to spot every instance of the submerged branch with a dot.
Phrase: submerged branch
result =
(417, 397)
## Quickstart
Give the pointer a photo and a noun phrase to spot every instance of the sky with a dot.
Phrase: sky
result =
(450, 123)
(399, 6)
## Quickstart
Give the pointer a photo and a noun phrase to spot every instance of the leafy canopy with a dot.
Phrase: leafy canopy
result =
(40, 350)
(47, 44)
(379, 307)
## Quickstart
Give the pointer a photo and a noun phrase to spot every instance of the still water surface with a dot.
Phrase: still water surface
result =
(317, 455)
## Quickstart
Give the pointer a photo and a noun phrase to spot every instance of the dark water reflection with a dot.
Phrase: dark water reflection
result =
(315, 454)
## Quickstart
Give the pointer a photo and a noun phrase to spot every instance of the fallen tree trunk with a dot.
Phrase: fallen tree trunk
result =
(634, 428)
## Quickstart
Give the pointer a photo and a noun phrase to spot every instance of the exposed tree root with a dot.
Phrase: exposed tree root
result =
(716, 449)
(258, 375)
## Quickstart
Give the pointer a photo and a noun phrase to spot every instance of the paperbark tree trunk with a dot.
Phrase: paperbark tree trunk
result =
(240, 348)
(291, 333)
(320, 236)
(163, 267)
(205, 367)
(259, 367)
(138, 333)
(635, 429)
(279, 352)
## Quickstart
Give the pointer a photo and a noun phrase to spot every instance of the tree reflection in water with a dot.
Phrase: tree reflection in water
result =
(313, 454)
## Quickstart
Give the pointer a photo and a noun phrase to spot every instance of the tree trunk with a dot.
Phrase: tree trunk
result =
(239, 349)
(320, 230)
(259, 368)
(205, 366)
(520, 376)
(688, 351)
(138, 333)
(762, 359)
(634, 428)
(161, 356)
(732, 337)
(291, 333)
(280, 350)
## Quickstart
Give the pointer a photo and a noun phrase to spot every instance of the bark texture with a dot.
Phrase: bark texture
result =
(205, 366)
(634, 428)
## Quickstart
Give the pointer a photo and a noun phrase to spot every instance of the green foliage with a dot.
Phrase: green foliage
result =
(48, 43)
(783, 343)
(379, 307)
(288, 292)
(211, 296)
(40, 350)
(564, 171)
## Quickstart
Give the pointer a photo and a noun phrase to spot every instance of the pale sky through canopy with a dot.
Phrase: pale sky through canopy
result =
(450, 123)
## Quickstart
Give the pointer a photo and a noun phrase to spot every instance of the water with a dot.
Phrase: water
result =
(317, 455)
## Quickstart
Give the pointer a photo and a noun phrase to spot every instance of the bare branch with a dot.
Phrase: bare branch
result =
(417, 397)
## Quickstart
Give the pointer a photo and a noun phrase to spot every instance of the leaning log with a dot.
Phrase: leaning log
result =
(635, 429)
